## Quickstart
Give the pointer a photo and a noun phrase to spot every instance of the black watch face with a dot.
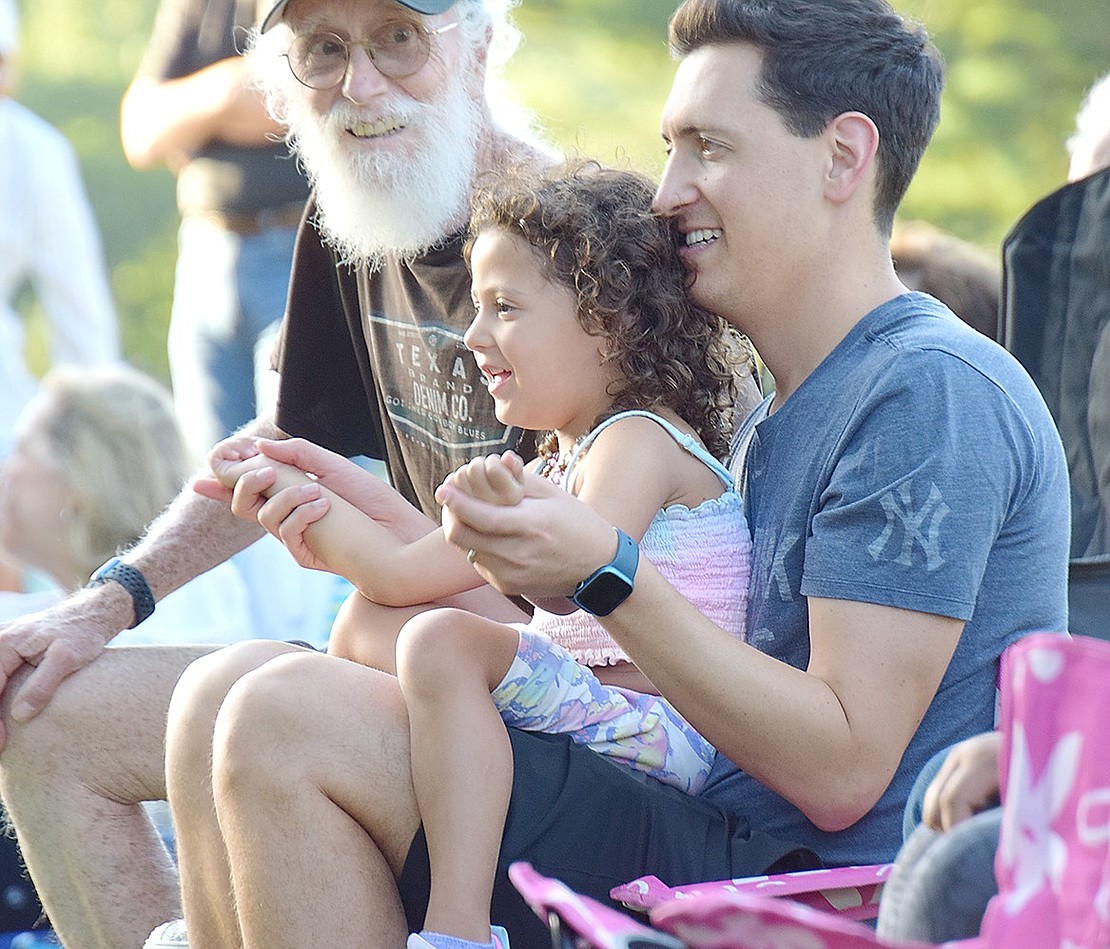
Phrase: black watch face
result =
(604, 593)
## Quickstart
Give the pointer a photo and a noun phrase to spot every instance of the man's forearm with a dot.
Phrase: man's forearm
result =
(194, 534)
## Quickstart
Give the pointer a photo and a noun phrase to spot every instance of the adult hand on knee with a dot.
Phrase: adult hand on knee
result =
(967, 783)
(56, 642)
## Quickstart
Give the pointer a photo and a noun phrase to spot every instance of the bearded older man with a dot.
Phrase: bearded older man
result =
(393, 127)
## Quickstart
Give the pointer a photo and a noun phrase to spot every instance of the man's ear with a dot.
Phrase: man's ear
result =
(853, 141)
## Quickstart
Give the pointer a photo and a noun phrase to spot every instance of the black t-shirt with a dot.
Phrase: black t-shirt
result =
(189, 35)
(374, 364)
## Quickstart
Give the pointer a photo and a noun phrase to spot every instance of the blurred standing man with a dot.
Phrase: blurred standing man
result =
(192, 107)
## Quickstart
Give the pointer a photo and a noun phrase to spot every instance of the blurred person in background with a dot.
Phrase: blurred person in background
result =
(96, 455)
(48, 240)
(192, 108)
(1089, 146)
(956, 272)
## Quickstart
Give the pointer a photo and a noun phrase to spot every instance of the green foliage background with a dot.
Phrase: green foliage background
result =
(597, 73)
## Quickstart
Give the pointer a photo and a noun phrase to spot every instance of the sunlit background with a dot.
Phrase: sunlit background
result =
(597, 72)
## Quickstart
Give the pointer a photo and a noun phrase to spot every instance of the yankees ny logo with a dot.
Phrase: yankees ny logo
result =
(918, 527)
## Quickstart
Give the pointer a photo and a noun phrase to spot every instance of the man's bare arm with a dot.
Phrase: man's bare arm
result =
(164, 122)
(827, 738)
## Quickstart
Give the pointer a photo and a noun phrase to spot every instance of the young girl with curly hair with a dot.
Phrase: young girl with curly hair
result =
(582, 330)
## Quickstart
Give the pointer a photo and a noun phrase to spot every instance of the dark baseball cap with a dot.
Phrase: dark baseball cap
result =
(426, 7)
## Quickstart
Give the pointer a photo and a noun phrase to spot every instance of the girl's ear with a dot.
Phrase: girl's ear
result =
(853, 141)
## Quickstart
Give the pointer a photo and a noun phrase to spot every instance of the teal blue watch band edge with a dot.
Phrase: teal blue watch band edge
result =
(610, 585)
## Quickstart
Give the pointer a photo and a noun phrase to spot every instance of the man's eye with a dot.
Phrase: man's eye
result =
(708, 146)
(324, 45)
(397, 34)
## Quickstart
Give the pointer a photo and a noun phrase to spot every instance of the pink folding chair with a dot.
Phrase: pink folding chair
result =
(851, 892)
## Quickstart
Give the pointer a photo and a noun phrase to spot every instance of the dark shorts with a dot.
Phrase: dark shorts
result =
(592, 824)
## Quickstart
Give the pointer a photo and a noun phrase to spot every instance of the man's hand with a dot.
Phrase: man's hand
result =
(967, 783)
(291, 510)
(541, 547)
(57, 642)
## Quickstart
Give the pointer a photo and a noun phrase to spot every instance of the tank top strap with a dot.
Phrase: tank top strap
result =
(688, 442)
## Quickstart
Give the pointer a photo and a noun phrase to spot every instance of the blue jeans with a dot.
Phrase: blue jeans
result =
(228, 291)
(941, 883)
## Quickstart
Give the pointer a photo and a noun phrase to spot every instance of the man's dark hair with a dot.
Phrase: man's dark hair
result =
(825, 57)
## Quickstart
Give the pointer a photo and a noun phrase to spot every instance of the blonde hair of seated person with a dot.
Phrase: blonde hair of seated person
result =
(109, 440)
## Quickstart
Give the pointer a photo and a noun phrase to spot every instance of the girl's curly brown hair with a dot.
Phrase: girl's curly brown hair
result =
(594, 231)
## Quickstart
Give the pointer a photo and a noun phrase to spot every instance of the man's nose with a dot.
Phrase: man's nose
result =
(363, 81)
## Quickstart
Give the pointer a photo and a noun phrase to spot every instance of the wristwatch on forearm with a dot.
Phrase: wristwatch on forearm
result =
(608, 587)
(132, 580)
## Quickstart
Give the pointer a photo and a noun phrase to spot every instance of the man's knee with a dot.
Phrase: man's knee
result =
(259, 717)
(103, 729)
(28, 746)
(204, 685)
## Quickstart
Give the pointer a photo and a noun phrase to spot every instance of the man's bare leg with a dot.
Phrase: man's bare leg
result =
(72, 780)
(314, 796)
(205, 878)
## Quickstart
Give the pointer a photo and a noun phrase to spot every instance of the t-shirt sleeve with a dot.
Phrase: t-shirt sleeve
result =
(919, 489)
(321, 355)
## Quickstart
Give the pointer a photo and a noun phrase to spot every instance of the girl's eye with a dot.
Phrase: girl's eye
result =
(503, 307)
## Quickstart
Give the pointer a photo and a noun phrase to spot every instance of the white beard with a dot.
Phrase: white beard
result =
(372, 204)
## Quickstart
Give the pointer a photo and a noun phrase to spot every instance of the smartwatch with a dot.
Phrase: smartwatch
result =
(132, 580)
(608, 587)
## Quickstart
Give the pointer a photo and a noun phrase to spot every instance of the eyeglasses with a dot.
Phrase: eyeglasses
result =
(398, 50)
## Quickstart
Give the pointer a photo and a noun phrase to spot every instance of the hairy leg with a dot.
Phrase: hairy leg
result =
(206, 891)
(72, 780)
(314, 797)
(448, 663)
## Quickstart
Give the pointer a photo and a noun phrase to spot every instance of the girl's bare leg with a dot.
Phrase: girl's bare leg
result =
(366, 632)
(448, 663)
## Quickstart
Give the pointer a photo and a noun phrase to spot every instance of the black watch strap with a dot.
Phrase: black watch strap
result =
(133, 581)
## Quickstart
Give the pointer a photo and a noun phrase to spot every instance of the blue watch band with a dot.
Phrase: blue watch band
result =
(609, 586)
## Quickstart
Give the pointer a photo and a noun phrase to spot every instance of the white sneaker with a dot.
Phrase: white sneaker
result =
(171, 935)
